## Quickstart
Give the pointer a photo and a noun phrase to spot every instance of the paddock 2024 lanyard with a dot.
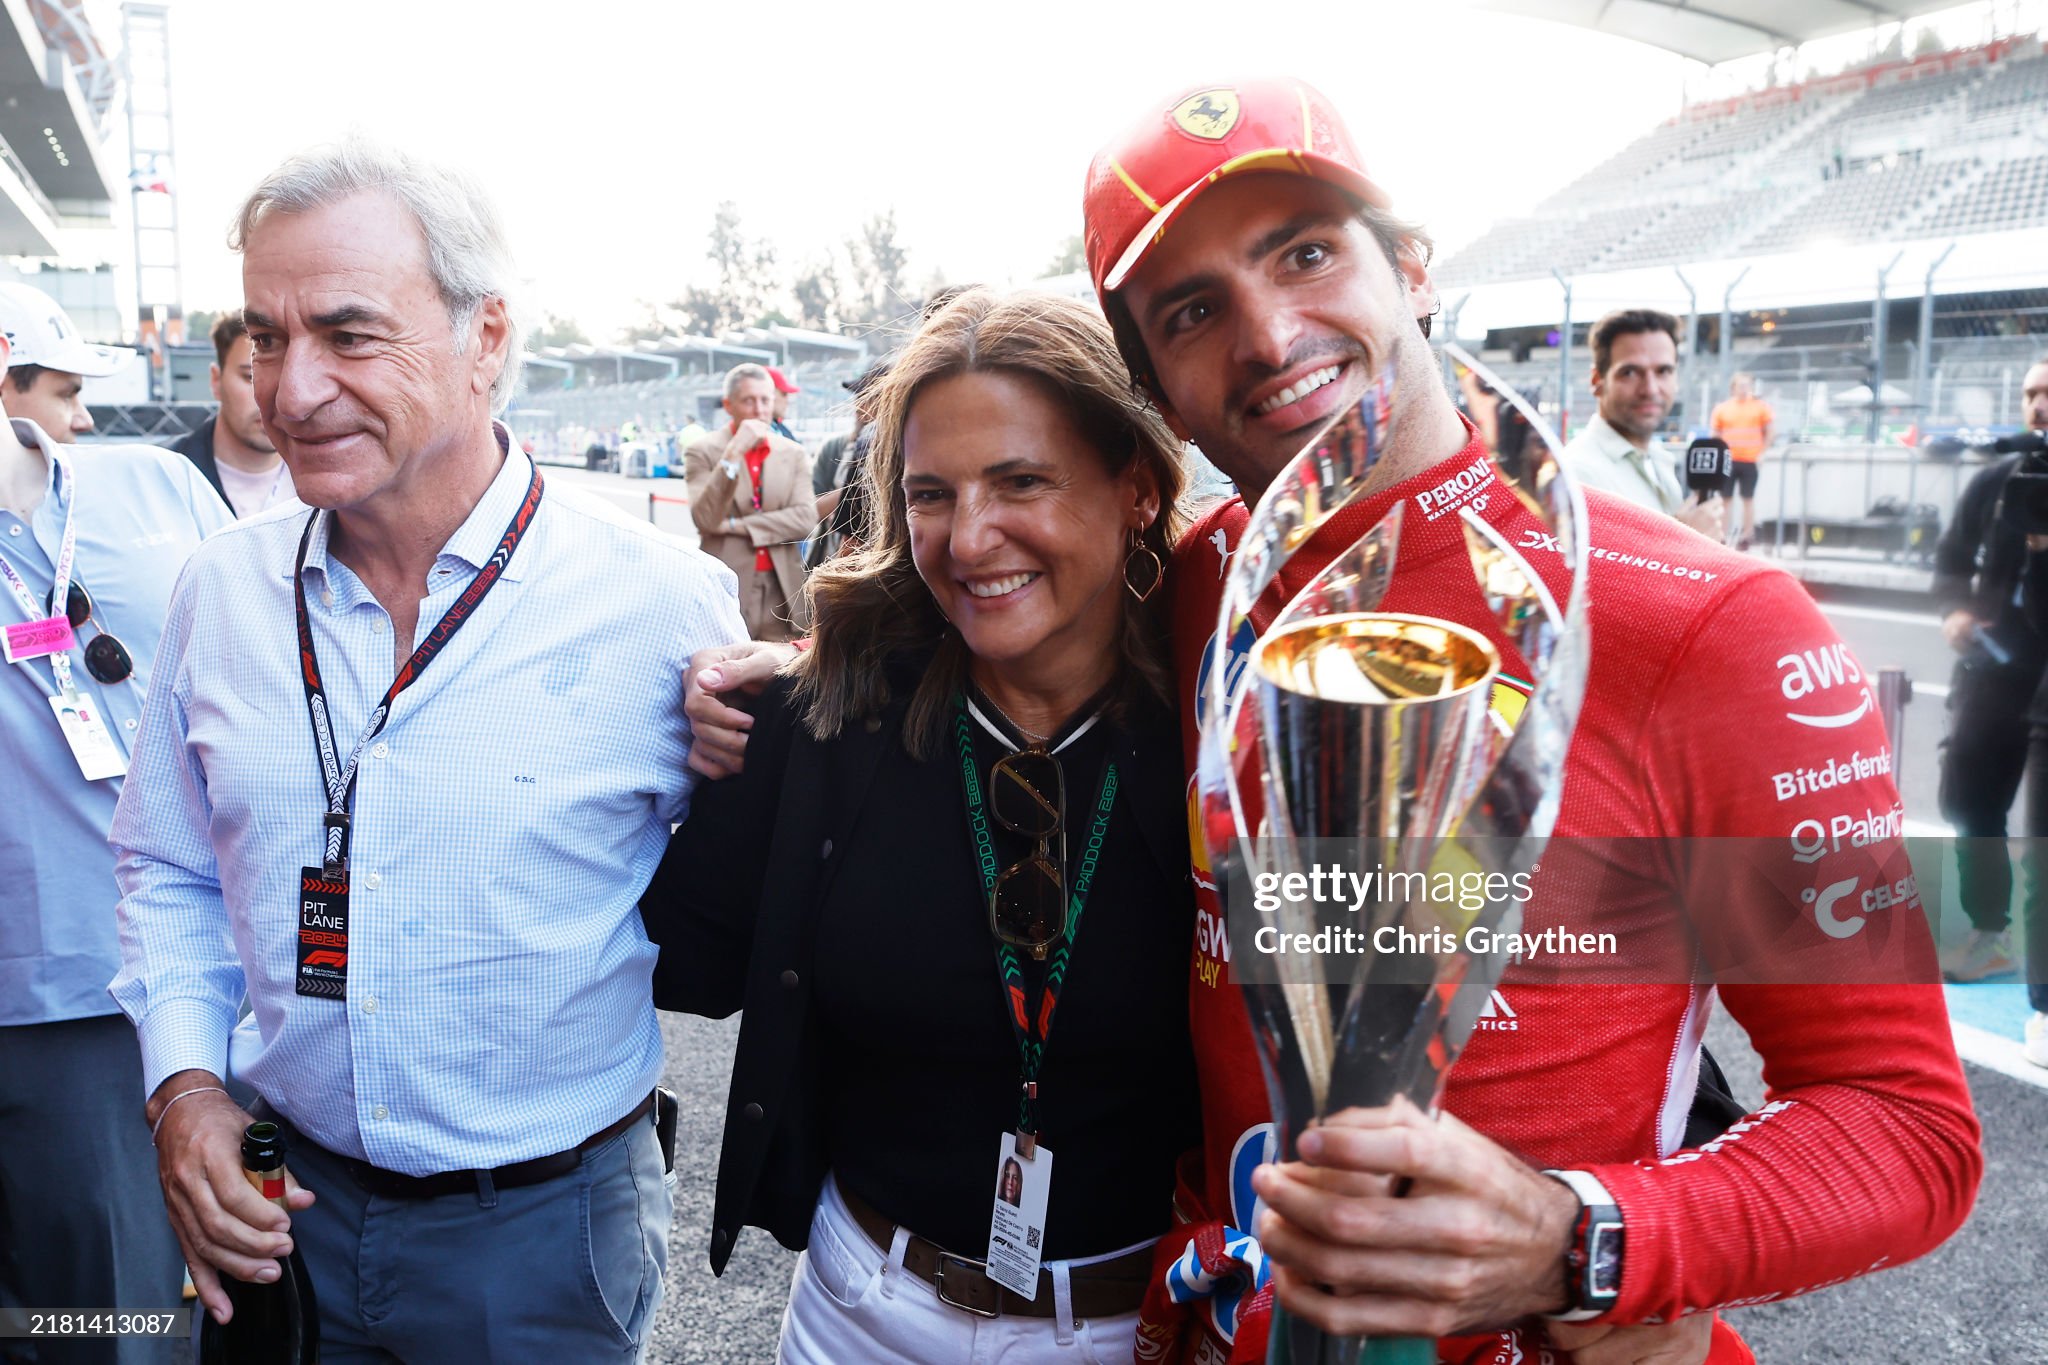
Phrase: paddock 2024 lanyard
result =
(323, 898)
(1032, 1027)
(51, 630)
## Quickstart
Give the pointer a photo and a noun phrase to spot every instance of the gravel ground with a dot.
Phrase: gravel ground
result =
(706, 1318)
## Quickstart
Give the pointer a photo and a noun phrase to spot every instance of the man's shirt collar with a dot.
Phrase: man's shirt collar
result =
(1612, 443)
(476, 540)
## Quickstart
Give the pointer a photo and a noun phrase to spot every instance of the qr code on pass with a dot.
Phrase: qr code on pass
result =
(1031, 1238)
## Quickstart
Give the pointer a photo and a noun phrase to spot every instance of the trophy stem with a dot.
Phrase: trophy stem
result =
(1294, 1342)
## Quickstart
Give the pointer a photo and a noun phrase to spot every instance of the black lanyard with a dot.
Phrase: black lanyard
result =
(340, 779)
(1030, 1025)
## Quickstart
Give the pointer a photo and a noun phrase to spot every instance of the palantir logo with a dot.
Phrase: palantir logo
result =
(1815, 671)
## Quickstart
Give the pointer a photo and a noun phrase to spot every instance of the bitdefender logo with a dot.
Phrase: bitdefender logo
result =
(1832, 773)
(1814, 672)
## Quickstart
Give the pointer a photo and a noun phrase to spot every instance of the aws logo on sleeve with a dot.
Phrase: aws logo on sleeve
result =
(1822, 675)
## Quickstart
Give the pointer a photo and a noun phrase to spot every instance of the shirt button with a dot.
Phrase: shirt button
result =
(826, 851)
(380, 1112)
(14, 530)
(789, 981)
(378, 625)
(380, 750)
(752, 1113)
(326, 597)
(373, 881)
(131, 724)
(370, 1005)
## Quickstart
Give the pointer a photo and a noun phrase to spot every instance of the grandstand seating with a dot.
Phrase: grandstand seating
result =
(1742, 133)
(2016, 83)
(1860, 205)
(2011, 195)
(1929, 148)
(1688, 232)
(659, 404)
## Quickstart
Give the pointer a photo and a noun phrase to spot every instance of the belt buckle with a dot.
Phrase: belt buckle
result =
(939, 1282)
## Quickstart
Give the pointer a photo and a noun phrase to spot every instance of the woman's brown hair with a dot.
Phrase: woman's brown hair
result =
(870, 605)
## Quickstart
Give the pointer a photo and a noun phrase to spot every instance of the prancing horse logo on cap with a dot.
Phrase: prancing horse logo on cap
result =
(1209, 115)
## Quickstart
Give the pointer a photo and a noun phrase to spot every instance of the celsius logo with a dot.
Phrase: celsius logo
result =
(1824, 901)
(1434, 502)
(1497, 1016)
(1823, 670)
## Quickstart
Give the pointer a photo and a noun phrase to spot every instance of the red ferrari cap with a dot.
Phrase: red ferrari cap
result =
(1141, 181)
(782, 385)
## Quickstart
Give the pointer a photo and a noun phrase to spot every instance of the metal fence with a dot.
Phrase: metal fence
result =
(1882, 501)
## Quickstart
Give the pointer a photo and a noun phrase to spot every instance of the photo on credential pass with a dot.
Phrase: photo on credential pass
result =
(1757, 289)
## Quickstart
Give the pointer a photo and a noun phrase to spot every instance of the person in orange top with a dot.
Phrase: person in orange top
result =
(1747, 424)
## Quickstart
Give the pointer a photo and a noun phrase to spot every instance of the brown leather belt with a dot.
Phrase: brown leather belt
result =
(392, 1185)
(1103, 1289)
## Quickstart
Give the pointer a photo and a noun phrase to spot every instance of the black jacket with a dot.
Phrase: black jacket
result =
(734, 909)
(1979, 559)
(198, 448)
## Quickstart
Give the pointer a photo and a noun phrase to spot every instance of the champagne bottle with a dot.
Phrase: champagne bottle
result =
(275, 1323)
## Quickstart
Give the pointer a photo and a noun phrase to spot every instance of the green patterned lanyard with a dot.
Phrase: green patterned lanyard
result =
(1031, 1026)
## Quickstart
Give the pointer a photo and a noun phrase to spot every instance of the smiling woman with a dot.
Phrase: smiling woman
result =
(976, 755)
(1015, 475)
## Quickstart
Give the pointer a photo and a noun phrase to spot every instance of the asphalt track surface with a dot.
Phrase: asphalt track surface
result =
(1983, 1296)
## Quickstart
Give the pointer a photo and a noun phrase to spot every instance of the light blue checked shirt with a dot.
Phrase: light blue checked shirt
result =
(506, 822)
(140, 512)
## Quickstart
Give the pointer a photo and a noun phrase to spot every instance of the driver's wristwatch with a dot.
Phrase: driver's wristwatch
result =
(1592, 1261)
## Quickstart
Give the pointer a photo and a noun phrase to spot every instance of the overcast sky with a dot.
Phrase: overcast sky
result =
(611, 129)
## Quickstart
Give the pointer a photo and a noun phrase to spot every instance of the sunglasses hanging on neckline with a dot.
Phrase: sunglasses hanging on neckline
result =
(1028, 796)
(106, 658)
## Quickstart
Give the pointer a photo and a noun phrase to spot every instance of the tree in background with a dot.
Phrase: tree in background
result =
(880, 295)
(817, 295)
(1072, 256)
(555, 330)
(864, 292)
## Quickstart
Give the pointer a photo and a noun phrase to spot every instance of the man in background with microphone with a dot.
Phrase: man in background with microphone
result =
(1635, 379)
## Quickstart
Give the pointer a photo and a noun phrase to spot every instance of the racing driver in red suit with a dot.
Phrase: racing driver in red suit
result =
(1257, 282)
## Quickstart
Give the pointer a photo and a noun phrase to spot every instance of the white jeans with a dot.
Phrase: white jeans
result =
(851, 1303)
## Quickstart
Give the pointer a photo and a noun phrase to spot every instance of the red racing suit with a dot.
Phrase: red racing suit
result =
(1716, 692)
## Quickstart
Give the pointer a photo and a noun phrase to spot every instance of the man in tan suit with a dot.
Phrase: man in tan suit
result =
(750, 495)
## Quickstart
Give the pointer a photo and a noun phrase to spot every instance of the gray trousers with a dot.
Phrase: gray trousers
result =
(82, 1222)
(565, 1271)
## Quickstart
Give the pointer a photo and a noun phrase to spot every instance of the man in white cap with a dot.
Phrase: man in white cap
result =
(91, 540)
(48, 363)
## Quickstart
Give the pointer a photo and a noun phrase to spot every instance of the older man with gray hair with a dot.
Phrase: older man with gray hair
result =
(408, 763)
(750, 495)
